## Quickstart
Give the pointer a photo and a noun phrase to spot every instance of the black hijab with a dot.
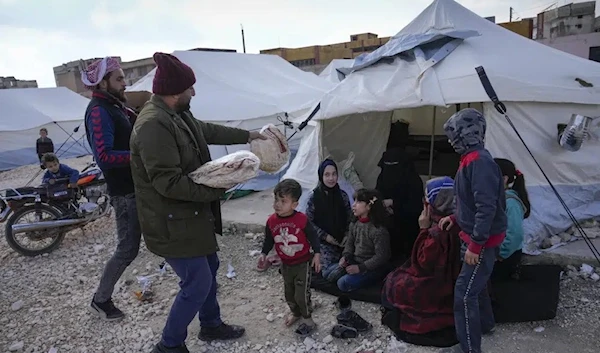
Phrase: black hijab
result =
(330, 208)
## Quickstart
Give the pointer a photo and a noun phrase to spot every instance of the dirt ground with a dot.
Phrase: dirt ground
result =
(44, 301)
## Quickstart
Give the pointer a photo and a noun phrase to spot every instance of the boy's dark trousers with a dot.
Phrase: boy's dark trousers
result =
(473, 314)
(296, 282)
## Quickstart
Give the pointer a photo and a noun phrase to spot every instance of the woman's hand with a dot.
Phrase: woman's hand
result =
(446, 223)
(343, 262)
(425, 218)
(352, 269)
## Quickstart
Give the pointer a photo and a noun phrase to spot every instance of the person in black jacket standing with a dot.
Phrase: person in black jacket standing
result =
(108, 125)
(43, 145)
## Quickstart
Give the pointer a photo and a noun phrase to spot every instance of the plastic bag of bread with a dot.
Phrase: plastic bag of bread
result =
(274, 152)
(227, 171)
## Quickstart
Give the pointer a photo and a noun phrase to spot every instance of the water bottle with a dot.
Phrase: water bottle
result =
(576, 131)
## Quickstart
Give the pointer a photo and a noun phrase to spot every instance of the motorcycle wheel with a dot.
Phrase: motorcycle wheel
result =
(57, 236)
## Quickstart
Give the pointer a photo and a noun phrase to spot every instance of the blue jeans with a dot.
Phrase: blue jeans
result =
(473, 314)
(348, 282)
(198, 295)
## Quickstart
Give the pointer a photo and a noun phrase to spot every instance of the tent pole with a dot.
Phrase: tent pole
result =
(432, 143)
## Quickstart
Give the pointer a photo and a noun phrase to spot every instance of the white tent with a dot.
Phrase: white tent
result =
(430, 65)
(332, 72)
(247, 91)
(23, 112)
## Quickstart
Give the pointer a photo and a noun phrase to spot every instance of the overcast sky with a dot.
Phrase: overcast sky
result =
(36, 35)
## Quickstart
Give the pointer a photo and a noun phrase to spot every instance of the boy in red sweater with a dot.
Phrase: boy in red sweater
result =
(292, 235)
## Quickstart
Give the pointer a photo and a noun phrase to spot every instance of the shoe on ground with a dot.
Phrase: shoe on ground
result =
(351, 319)
(160, 348)
(341, 331)
(223, 332)
(306, 327)
(106, 311)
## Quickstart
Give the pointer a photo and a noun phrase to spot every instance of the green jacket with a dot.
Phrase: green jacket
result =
(178, 217)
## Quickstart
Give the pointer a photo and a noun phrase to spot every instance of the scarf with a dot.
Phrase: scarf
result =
(330, 207)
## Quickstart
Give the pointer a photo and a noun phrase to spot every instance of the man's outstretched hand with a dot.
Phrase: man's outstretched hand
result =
(255, 135)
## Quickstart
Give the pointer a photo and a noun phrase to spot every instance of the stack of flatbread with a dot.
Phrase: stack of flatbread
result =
(227, 171)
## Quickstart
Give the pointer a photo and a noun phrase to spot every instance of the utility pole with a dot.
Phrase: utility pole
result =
(509, 16)
(243, 38)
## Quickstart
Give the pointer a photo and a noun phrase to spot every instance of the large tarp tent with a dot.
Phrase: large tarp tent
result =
(332, 72)
(428, 68)
(247, 91)
(23, 112)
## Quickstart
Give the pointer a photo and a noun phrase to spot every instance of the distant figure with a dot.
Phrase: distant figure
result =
(43, 145)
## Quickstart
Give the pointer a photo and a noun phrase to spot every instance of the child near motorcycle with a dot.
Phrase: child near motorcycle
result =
(56, 170)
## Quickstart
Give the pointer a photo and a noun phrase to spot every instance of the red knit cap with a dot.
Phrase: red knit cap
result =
(172, 76)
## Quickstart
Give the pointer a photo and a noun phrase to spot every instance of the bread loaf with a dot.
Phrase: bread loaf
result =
(227, 171)
(274, 152)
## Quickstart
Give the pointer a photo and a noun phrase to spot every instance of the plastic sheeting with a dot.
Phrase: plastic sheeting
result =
(332, 72)
(235, 86)
(23, 112)
(574, 174)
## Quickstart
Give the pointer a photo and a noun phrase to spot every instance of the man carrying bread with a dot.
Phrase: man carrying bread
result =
(179, 218)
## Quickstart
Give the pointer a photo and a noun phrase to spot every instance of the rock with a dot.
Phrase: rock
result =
(328, 339)
(17, 346)
(571, 268)
(258, 347)
(595, 277)
(173, 292)
(270, 317)
(555, 240)
(16, 306)
(587, 269)
(539, 329)
(309, 343)
(249, 235)
(565, 237)
(134, 272)
(546, 243)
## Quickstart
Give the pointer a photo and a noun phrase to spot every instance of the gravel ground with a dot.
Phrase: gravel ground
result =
(44, 301)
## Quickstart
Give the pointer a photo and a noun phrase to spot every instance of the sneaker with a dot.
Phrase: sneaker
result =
(352, 319)
(223, 332)
(160, 348)
(306, 328)
(107, 311)
(341, 331)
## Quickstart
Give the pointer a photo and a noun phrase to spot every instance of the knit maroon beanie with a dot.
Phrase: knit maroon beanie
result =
(172, 76)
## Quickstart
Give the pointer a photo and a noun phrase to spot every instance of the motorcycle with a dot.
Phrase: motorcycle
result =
(56, 209)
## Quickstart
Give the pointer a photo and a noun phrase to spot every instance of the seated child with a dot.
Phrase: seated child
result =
(517, 209)
(56, 170)
(293, 236)
(367, 249)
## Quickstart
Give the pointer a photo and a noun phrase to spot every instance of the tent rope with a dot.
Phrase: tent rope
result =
(501, 108)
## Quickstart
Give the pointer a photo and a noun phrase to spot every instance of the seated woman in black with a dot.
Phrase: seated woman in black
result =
(328, 209)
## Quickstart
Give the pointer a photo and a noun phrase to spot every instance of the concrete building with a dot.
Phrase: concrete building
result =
(11, 82)
(567, 20)
(69, 74)
(316, 57)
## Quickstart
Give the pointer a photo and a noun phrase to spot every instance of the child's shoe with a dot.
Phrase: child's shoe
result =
(341, 331)
(306, 327)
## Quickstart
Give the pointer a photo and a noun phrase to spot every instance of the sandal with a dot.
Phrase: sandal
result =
(291, 319)
(341, 331)
(305, 329)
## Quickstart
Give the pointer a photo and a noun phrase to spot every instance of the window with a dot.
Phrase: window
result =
(302, 63)
(595, 54)
(578, 26)
(580, 16)
(353, 38)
